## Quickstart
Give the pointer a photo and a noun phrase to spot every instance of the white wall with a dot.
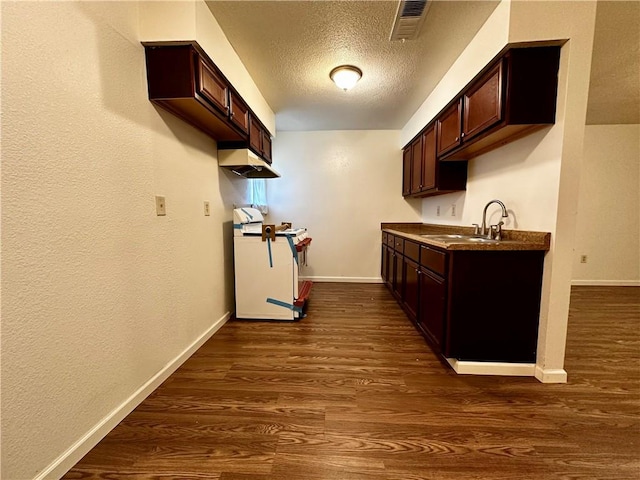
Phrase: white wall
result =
(100, 297)
(608, 226)
(340, 185)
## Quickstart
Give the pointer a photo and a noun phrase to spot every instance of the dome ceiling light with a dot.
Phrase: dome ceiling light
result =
(345, 76)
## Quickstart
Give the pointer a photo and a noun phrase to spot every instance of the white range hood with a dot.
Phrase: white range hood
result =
(245, 163)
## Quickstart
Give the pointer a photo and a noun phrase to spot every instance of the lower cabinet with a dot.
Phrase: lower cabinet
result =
(474, 305)
(411, 274)
(432, 304)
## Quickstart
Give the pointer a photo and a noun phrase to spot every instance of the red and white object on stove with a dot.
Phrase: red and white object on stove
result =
(267, 270)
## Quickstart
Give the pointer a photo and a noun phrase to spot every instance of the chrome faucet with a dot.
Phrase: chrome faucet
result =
(493, 231)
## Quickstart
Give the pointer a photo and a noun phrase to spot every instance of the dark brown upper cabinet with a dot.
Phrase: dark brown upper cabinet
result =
(259, 140)
(513, 96)
(448, 128)
(426, 176)
(239, 112)
(266, 145)
(212, 86)
(184, 81)
(416, 165)
(483, 103)
(406, 171)
(429, 159)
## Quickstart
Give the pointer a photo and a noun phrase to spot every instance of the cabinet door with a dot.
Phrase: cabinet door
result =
(266, 146)
(406, 171)
(432, 294)
(397, 280)
(416, 165)
(483, 103)
(411, 272)
(384, 264)
(255, 135)
(212, 86)
(448, 127)
(239, 112)
(429, 159)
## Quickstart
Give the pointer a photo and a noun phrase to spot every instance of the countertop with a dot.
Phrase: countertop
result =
(511, 239)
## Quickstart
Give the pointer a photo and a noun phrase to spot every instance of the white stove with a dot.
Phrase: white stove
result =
(267, 260)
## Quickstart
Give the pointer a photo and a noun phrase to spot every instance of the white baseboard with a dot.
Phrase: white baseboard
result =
(462, 367)
(82, 446)
(605, 283)
(344, 279)
(551, 375)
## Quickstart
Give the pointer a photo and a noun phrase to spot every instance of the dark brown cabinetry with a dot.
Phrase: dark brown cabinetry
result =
(416, 165)
(448, 128)
(182, 79)
(410, 276)
(493, 305)
(483, 103)
(239, 112)
(475, 305)
(259, 139)
(424, 175)
(432, 301)
(514, 96)
(212, 86)
(406, 171)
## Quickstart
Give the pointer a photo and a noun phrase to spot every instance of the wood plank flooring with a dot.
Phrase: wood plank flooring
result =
(352, 392)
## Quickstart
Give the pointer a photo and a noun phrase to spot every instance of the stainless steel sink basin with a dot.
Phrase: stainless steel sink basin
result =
(459, 239)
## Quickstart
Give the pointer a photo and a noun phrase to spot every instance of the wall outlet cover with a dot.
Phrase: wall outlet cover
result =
(161, 205)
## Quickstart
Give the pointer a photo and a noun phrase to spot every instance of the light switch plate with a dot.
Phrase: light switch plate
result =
(161, 206)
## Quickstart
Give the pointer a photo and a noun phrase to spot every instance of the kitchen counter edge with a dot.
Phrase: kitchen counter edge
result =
(512, 239)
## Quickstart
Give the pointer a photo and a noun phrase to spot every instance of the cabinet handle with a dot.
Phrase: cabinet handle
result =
(462, 135)
(457, 138)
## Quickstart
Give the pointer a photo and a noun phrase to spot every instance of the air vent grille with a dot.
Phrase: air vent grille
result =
(409, 18)
(413, 8)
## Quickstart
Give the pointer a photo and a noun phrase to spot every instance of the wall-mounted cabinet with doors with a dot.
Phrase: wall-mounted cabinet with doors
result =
(423, 175)
(511, 97)
(183, 80)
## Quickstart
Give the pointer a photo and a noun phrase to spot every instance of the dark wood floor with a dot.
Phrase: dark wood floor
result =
(352, 392)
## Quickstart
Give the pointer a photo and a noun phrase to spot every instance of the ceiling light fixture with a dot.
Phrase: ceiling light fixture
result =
(345, 76)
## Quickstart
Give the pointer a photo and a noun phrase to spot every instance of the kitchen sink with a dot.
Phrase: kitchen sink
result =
(460, 239)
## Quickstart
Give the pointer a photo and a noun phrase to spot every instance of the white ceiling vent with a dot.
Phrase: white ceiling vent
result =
(409, 18)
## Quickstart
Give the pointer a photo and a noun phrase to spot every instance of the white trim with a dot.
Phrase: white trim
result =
(83, 445)
(344, 279)
(605, 283)
(551, 375)
(462, 367)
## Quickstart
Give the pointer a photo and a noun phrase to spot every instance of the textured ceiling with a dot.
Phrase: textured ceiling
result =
(289, 48)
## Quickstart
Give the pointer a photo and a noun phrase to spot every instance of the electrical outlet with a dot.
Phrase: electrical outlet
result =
(438, 211)
(453, 210)
(161, 206)
(207, 209)
(583, 259)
